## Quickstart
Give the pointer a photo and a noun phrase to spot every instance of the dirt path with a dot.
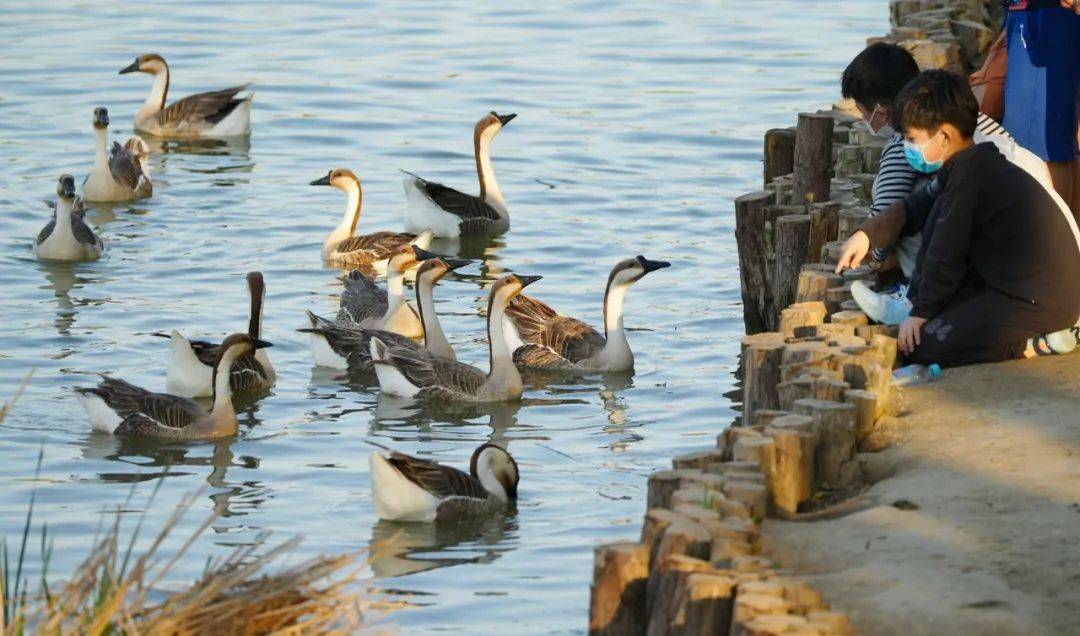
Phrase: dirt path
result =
(991, 457)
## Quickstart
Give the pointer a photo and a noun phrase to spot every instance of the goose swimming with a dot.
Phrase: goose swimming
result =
(117, 174)
(344, 345)
(67, 237)
(121, 408)
(213, 114)
(191, 362)
(450, 213)
(373, 250)
(406, 488)
(541, 338)
(408, 372)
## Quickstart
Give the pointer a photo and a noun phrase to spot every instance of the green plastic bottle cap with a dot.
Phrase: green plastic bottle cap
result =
(935, 371)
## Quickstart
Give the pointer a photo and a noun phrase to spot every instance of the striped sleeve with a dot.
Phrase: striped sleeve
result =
(988, 126)
(895, 179)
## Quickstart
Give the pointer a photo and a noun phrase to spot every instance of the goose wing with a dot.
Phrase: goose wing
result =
(441, 481)
(456, 202)
(379, 244)
(142, 409)
(437, 378)
(536, 356)
(362, 299)
(47, 230)
(246, 374)
(209, 108)
(78, 206)
(124, 166)
(83, 233)
(353, 343)
(539, 324)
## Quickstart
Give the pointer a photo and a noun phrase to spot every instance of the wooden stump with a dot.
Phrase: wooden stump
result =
(824, 388)
(830, 252)
(801, 388)
(666, 583)
(779, 153)
(729, 436)
(662, 484)
(777, 625)
(885, 348)
(755, 272)
(849, 160)
(652, 529)
(801, 595)
(801, 315)
(762, 355)
(617, 599)
(867, 332)
(834, 428)
(793, 475)
(699, 460)
(824, 225)
(865, 411)
(849, 220)
(832, 623)
(764, 417)
(750, 606)
(709, 604)
(799, 357)
(854, 318)
(756, 451)
(792, 251)
(813, 158)
(754, 495)
(813, 283)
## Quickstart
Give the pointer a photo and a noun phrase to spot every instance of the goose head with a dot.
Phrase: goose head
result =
(339, 178)
(237, 345)
(147, 63)
(631, 270)
(496, 470)
(65, 187)
(408, 256)
(101, 118)
(507, 287)
(433, 269)
(491, 123)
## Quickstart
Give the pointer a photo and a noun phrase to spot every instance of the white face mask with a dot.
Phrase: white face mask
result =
(878, 116)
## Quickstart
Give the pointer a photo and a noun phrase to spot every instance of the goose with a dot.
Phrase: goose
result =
(118, 174)
(118, 407)
(67, 237)
(191, 362)
(365, 304)
(344, 345)
(450, 213)
(373, 250)
(213, 114)
(407, 372)
(541, 338)
(406, 488)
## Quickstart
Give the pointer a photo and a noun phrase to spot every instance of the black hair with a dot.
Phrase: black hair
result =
(935, 98)
(877, 74)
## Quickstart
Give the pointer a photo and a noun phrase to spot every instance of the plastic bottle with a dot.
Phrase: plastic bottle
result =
(915, 374)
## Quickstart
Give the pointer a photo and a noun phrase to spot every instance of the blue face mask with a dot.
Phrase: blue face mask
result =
(916, 157)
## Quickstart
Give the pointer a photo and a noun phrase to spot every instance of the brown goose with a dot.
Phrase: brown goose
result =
(450, 213)
(67, 237)
(120, 408)
(408, 372)
(191, 362)
(344, 249)
(117, 175)
(541, 338)
(405, 488)
(213, 114)
(344, 345)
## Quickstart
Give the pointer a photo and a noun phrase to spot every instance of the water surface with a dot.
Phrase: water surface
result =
(638, 123)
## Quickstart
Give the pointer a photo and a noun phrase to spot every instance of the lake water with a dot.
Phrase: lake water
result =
(638, 123)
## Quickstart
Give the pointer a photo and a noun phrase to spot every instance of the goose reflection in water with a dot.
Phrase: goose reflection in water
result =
(401, 549)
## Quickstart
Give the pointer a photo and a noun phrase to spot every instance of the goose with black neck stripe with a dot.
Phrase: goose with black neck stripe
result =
(118, 173)
(450, 213)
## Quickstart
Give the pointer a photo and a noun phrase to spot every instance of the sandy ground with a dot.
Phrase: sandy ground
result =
(991, 457)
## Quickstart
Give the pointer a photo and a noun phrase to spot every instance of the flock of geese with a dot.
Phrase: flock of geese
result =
(375, 330)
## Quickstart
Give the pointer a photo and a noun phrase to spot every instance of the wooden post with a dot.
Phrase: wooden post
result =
(755, 274)
(793, 476)
(617, 599)
(762, 354)
(666, 584)
(831, 622)
(834, 297)
(801, 315)
(729, 436)
(813, 158)
(749, 606)
(779, 153)
(824, 225)
(662, 484)
(801, 388)
(834, 427)
(709, 604)
(813, 283)
(699, 460)
(854, 318)
(865, 411)
(652, 529)
(792, 251)
(754, 495)
(850, 219)
(764, 417)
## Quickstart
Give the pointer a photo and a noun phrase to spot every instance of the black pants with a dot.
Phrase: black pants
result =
(984, 325)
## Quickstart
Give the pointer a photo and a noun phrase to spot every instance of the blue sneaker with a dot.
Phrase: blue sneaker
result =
(889, 308)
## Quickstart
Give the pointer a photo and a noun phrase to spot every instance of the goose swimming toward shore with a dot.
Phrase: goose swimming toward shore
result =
(118, 174)
(191, 362)
(450, 213)
(213, 114)
(343, 248)
(541, 338)
(118, 407)
(67, 237)
(405, 488)
(408, 372)
(344, 345)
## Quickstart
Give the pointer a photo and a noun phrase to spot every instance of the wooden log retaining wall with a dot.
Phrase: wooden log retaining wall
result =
(816, 380)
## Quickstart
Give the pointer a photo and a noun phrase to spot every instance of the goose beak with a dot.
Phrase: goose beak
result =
(130, 68)
(261, 344)
(455, 263)
(101, 118)
(506, 119)
(422, 254)
(652, 266)
(69, 188)
(323, 181)
(528, 280)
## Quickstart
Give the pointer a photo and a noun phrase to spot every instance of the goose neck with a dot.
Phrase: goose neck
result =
(395, 292)
(501, 358)
(613, 318)
(490, 482)
(489, 186)
(101, 158)
(434, 339)
(223, 413)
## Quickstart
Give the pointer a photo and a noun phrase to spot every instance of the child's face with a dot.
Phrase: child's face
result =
(933, 143)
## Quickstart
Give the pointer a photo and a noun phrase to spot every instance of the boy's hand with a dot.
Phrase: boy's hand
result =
(1071, 4)
(854, 251)
(890, 263)
(910, 334)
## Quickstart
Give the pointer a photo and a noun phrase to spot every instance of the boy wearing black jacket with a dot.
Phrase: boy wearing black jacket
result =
(1000, 259)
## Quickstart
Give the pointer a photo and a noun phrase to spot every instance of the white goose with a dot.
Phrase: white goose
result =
(344, 249)
(67, 237)
(191, 362)
(541, 338)
(405, 488)
(213, 114)
(118, 174)
(450, 213)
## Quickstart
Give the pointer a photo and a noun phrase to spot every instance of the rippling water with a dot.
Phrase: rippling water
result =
(638, 123)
